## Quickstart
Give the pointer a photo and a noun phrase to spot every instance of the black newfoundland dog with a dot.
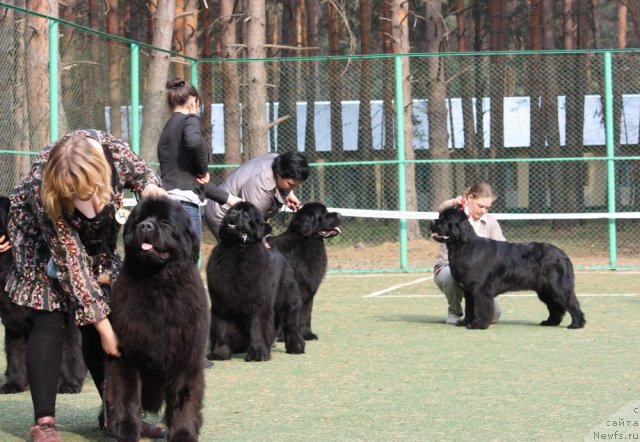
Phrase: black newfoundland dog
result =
(302, 244)
(252, 290)
(159, 313)
(485, 268)
(17, 327)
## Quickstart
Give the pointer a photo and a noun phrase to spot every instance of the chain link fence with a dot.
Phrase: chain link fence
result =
(555, 134)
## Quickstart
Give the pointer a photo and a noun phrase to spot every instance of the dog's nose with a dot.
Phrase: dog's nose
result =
(146, 226)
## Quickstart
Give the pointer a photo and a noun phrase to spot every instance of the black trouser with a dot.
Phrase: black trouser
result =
(44, 358)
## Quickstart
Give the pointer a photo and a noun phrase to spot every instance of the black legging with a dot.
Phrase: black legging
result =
(44, 358)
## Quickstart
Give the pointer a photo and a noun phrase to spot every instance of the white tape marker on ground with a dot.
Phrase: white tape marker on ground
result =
(396, 287)
(506, 295)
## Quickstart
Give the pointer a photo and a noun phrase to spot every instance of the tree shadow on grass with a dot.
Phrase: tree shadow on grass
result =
(422, 319)
(439, 320)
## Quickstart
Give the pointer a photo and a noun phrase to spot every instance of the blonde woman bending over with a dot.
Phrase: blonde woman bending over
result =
(63, 226)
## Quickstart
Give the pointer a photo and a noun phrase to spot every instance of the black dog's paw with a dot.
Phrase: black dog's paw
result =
(477, 325)
(294, 346)
(576, 325)
(549, 323)
(183, 435)
(12, 388)
(255, 354)
(297, 350)
(128, 432)
(220, 353)
(69, 388)
(310, 336)
(462, 322)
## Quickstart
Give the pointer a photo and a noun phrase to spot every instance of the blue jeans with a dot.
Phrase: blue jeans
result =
(194, 213)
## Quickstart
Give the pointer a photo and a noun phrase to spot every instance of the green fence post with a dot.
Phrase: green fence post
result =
(134, 133)
(54, 74)
(402, 196)
(194, 73)
(611, 178)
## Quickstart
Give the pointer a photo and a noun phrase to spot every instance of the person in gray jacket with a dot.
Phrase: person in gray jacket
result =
(267, 181)
(476, 202)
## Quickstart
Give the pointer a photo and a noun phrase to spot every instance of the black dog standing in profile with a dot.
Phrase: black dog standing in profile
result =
(252, 290)
(17, 327)
(160, 315)
(485, 268)
(303, 246)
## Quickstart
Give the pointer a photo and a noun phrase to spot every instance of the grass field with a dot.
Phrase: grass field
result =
(386, 367)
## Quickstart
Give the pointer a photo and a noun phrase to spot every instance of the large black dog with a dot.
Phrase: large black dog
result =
(17, 327)
(252, 290)
(485, 268)
(303, 246)
(159, 313)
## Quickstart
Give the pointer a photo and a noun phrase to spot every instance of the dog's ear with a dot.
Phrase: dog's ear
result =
(263, 229)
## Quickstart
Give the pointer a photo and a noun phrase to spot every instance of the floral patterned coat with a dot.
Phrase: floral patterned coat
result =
(36, 240)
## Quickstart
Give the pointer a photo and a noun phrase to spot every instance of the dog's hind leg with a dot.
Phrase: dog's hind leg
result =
(556, 310)
(219, 339)
(15, 346)
(73, 371)
(293, 339)
(152, 394)
(577, 317)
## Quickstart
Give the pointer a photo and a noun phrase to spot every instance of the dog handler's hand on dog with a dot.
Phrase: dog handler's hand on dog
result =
(292, 201)
(108, 337)
(457, 201)
(5, 244)
(154, 190)
(233, 200)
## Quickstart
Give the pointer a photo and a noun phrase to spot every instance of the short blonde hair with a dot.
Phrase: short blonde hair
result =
(75, 169)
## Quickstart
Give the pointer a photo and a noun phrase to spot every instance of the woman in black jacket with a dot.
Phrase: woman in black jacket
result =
(183, 154)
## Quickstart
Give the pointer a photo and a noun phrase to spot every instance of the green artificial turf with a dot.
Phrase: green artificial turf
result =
(386, 367)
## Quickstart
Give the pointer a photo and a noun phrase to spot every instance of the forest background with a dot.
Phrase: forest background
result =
(334, 41)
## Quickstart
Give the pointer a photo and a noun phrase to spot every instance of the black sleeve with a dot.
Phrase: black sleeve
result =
(194, 143)
(216, 193)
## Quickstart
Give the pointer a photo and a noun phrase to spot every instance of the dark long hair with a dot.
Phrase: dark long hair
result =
(179, 91)
(291, 165)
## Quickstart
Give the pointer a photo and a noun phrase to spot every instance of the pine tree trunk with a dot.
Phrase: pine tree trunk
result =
(400, 32)
(256, 97)
(437, 109)
(155, 108)
(230, 85)
(115, 68)
(36, 69)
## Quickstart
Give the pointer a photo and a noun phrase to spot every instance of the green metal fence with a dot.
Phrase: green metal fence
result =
(555, 133)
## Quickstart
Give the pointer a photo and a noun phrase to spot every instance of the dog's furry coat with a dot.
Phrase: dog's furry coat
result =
(160, 317)
(485, 268)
